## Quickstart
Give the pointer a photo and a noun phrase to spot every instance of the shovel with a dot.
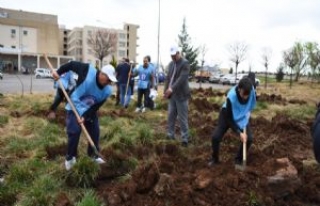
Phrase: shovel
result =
(244, 155)
(75, 112)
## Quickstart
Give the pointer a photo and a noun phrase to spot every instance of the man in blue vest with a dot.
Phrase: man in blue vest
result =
(145, 73)
(93, 89)
(235, 114)
(315, 132)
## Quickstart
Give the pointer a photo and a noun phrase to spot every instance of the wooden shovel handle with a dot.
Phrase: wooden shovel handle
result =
(244, 149)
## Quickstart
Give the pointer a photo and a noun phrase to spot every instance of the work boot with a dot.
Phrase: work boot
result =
(215, 159)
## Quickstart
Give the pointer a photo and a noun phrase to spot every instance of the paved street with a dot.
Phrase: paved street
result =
(10, 84)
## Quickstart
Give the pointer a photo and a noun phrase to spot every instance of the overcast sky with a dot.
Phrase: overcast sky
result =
(273, 24)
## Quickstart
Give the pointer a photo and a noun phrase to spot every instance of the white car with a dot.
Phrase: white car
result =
(42, 73)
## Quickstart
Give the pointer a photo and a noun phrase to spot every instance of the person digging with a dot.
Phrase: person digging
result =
(235, 114)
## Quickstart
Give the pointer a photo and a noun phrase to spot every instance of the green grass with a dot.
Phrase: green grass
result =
(3, 120)
(302, 112)
(42, 192)
(261, 105)
(90, 199)
(83, 173)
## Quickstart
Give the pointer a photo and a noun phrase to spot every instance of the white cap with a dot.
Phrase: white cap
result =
(173, 50)
(110, 72)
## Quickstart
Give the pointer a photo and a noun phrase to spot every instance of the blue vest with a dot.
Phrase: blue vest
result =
(241, 112)
(144, 77)
(88, 93)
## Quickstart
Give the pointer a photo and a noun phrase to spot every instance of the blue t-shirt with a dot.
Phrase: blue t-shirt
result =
(122, 73)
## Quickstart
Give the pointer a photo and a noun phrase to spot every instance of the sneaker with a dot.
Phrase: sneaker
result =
(52, 115)
(137, 110)
(99, 160)
(143, 110)
(69, 163)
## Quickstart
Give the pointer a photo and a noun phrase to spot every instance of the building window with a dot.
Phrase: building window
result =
(1, 46)
(13, 47)
(122, 44)
(89, 33)
(122, 36)
(13, 31)
(25, 32)
(122, 53)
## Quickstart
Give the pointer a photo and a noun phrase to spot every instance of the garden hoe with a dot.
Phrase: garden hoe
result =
(75, 112)
(244, 155)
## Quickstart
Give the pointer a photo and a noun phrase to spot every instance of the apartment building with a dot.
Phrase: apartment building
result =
(81, 49)
(26, 36)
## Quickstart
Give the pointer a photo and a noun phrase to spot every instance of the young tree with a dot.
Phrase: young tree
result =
(266, 55)
(203, 52)
(188, 51)
(103, 42)
(238, 51)
(291, 60)
(313, 57)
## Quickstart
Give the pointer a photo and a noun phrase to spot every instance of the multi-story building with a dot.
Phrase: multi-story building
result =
(26, 36)
(126, 43)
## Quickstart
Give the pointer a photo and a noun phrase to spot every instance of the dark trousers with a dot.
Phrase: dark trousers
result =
(117, 94)
(218, 134)
(145, 94)
(74, 131)
(316, 137)
(131, 85)
(57, 99)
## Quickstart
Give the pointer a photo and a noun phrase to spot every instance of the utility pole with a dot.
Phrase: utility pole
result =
(158, 54)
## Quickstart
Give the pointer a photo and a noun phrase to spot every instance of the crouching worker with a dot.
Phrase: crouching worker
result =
(93, 88)
(315, 132)
(235, 114)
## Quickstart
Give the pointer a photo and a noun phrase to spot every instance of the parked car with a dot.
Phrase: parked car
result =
(215, 78)
(1, 75)
(42, 73)
(226, 79)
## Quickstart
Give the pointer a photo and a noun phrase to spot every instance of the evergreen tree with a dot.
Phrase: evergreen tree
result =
(188, 51)
(280, 73)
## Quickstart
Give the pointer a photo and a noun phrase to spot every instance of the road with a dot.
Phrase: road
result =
(10, 84)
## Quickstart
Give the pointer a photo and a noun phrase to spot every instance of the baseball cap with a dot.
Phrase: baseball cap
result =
(173, 50)
(110, 72)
